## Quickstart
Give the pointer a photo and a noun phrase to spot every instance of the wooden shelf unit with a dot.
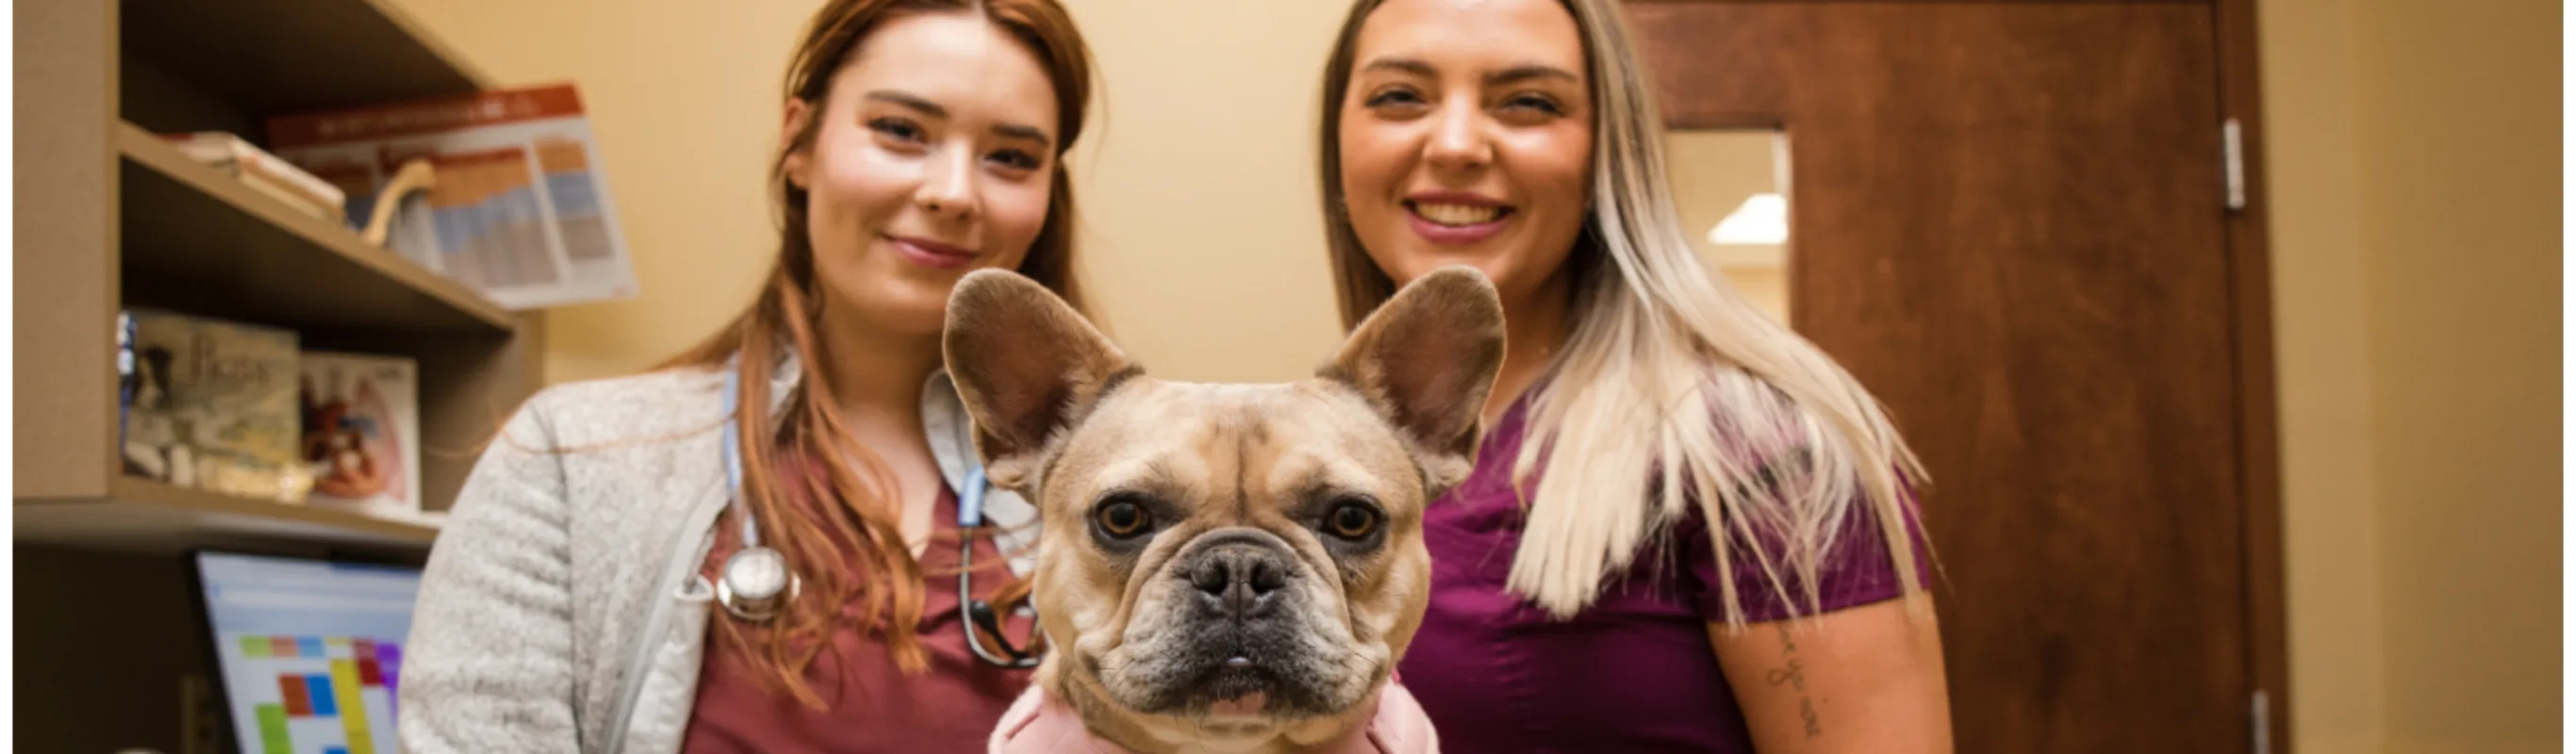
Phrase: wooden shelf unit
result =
(189, 230)
(110, 216)
(151, 517)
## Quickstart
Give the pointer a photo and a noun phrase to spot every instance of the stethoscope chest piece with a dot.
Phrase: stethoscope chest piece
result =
(756, 584)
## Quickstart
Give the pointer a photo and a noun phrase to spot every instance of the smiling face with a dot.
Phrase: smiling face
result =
(1466, 138)
(931, 157)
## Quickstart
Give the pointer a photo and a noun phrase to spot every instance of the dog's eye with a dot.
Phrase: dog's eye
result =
(1351, 521)
(1123, 519)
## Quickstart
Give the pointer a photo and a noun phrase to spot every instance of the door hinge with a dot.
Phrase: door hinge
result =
(2262, 722)
(2235, 139)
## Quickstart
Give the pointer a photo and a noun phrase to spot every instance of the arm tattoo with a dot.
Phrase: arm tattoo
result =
(1793, 673)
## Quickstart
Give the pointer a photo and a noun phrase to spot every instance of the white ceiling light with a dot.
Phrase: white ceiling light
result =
(1762, 220)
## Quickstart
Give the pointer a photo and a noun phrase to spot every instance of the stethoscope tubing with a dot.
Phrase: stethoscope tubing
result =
(975, 613)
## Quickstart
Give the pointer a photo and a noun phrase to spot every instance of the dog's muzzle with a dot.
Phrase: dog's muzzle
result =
(1243, 625)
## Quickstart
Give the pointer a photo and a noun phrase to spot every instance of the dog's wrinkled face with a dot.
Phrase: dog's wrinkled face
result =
(1220, 561)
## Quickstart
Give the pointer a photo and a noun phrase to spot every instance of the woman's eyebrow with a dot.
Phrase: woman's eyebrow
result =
(1511, 75)
(1402, 65)
(915, 102)
(1017, 131)
(1528, 71)
(935, 110)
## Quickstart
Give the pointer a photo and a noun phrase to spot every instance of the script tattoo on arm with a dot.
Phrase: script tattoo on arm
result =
(1793, 673)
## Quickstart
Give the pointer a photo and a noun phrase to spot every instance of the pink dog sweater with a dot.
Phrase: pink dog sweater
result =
(1040, 723)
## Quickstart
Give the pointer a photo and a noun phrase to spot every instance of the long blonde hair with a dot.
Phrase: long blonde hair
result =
(1774, 439)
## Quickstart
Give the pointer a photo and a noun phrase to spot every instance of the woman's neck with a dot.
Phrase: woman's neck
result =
(873, 373)
(876, 377)
(1534, 329)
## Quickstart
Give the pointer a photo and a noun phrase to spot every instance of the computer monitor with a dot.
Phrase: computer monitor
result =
(309, 651)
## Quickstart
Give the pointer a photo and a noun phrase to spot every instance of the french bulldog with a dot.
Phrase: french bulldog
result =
(1225, 567)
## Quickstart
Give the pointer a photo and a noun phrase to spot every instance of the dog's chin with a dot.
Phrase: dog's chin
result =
(1247, 694)
(1228, 683)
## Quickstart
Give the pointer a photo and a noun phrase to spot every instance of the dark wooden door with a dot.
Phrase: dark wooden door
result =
(2009, 220)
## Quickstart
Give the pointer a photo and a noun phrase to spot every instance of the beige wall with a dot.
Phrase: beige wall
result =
(1206, 243)
(2415, 263)
(2321, 343)
(2458, 106)
(2416, 259)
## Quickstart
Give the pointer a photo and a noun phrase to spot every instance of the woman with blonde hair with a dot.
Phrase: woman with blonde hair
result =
(780, 542)
(1688, 528)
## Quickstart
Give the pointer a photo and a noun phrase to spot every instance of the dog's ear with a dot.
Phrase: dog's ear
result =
(1427, 358)
(1026, 365)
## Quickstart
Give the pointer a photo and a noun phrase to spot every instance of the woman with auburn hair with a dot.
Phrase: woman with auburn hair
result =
(1688, 529)
(637, 565)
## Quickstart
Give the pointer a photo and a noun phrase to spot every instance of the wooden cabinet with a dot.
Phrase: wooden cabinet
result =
(108, 216)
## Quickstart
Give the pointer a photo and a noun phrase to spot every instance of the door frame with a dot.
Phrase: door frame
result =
(2257, 410)
(2258, 416)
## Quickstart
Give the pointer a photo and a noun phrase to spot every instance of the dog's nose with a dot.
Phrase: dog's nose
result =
(1239, 580)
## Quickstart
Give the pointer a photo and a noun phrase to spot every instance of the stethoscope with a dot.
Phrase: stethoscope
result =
(755, 582)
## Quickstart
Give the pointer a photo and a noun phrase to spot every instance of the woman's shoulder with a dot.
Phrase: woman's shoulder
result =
(611, 445)
(625, 408)
(658, 386)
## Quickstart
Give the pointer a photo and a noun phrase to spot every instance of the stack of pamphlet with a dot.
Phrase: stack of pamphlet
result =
(263, 172)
